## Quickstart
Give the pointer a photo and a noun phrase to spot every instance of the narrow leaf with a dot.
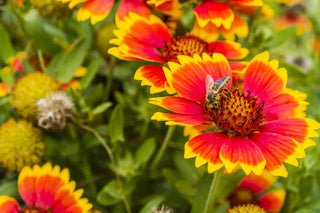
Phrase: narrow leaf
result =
(145, 151)
(6, 50)
(101, 108)
(116, 125)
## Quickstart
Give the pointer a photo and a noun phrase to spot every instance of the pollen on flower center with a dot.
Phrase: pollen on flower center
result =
(184, 45)
(241, 114)
(32, 209)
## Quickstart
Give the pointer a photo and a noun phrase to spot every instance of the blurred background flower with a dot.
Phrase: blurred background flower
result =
(21, 144)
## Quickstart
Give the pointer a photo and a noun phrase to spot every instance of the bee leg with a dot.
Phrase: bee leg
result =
(227, 94)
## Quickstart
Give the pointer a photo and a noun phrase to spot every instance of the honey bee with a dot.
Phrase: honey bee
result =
(214, 90)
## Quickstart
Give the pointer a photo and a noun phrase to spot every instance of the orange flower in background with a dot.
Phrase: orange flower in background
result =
(293, 16)
(168, 7)
(46, 189)
(252, 189)
(215, 17)
(17, 62)
(131, 6)
(289, 2)
(302, 22)
(95, 10)
(211, 32)
(149, 39)
(256, 128)
(4, 89)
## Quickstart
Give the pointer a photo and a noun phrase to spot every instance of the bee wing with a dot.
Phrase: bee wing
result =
(209, 82)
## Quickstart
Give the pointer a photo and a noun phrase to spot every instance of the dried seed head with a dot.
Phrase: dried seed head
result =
(54, 110)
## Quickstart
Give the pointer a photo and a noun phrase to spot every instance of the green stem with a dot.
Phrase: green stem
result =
(42, 65)
(110, 77)
(163, 147)
(111, 156)
(213, 188)
(20, 20)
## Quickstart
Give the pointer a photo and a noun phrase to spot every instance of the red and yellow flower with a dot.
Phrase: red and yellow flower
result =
(302, 22)
(95, 10)
(253, 189)
(214, 17)
(44, 188)
(4, 89)
(257, 126)
(149, 39)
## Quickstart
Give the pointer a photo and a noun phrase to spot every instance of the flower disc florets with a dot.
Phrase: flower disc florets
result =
(238, 114)
(250, 208)
(185, 45)
(20, 144)
(32, 209)
(29, 90)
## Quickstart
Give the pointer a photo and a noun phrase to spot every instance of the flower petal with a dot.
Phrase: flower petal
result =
(180, 119)
(68, 200)
(206, 148)
(240, 150)
(238, 27)
(138, 38)
(257, 183)
(153, 75)
(296, 128)
(214, 12)
(97, 10)
(134, 6)
(171, 7)
(9, 205)
(230, 49)
(179, 105)
(188, 79)
(262, 79)
(272, 201)
(278, 148)
(38, 186)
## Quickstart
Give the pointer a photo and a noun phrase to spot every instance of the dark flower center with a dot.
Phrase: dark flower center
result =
(32, 209)
(241, 196)
(238, 114)
(184, 45)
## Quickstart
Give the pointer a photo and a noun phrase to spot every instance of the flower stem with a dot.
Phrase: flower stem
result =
(20, 20)
(212, 191)
(110, 77)
(42, 64)
(163, 147)
(111, 156)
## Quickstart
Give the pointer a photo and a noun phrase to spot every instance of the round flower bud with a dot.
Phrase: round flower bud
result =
(29, 90)
(20, 144)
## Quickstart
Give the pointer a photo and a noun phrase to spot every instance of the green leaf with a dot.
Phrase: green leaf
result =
(7, 78)
(306, 186)
(66, 63)
(110, 194)
(201, 194)
(116, 124)
(91, 72)
(101, 108)
(293, 70)
(282, 36)
(6, 50)
(152, 204)
(9, 189)
(44, 33)
(145, 151)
